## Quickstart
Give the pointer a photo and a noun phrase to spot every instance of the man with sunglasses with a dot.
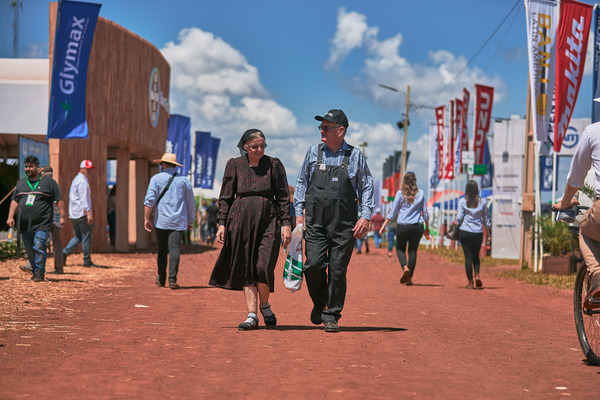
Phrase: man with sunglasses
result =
(333, 179)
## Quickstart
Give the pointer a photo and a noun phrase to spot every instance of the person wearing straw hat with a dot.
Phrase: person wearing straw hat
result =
(80, 214)
(171, 198)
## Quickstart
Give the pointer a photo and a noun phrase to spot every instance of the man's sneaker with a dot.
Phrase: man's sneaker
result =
(173, 285)
(89, 265)
(26, 268)
(331, 326)
(158, 282)
(38, 277)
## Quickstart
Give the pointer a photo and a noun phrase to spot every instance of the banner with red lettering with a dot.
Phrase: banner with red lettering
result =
(465, 113)
(458, 142)
(449, 167)
(484, 99)
(542, 19)
(440, 118)
(573, 32)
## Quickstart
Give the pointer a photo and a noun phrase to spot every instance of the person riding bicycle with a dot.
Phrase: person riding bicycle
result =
(587, 155)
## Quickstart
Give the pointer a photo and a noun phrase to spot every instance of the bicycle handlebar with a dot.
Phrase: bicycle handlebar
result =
(568, 214)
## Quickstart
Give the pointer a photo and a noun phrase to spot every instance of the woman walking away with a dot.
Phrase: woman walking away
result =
(473, 216)
(253, 204)
(410, 209)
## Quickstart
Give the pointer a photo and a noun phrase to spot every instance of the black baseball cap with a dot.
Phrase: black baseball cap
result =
(335, 116)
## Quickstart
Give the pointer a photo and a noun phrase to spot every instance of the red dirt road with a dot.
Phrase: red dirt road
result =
(110, 333)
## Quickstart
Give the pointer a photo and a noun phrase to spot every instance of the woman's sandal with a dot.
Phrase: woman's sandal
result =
(271, 320)
(405, 276)
(249, 326)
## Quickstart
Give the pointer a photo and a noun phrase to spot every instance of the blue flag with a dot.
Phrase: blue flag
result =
(72, 46)
(211, 163)
(202, 143)
(546, 177)
(487, 179)
(179, 135)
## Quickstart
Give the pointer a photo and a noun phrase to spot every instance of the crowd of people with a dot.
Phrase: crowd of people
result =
(257, 210)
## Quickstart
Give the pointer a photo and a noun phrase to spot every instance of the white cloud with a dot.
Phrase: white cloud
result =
(352, 31)
(384, 64)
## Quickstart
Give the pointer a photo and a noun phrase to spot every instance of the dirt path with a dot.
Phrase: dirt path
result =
(110, 333)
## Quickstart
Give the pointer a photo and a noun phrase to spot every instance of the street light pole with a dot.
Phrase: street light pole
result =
(405, 123)
(404, 140)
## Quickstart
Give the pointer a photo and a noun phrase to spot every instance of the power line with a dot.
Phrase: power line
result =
(476, 54)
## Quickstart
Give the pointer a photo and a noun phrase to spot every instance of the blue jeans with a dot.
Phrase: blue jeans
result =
(378, 239)
(82, 233)
(36, 247)
(390, 237)
(169, 243)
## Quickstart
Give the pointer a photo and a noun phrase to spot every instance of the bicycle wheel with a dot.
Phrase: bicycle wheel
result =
(587, 321)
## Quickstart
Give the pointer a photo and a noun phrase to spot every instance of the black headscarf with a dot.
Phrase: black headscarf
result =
(244, 139)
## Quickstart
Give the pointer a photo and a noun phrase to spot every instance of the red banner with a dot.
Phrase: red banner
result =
(440, 117)
(484, 99)
(573, 31)
(449, 167)
(464, 130)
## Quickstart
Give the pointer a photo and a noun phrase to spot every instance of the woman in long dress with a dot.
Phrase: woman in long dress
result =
(254, 203)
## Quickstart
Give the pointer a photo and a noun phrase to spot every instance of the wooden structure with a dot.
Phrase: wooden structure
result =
(127, 115)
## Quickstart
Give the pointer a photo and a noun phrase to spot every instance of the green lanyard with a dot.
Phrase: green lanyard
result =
(33, 187)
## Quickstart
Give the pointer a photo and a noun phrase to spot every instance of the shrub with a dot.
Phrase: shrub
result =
(8, 249)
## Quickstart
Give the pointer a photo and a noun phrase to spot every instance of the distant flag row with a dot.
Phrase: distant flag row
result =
(557, 38)
(205, 159)
(448, 141)
(205, 154)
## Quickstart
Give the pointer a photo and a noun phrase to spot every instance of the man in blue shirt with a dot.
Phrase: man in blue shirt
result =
(172, 200)
(80, 214)
(333, 179)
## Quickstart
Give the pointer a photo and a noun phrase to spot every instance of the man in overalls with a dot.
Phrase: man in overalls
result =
(333, 179)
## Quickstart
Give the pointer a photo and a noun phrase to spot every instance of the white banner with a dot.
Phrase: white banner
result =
(506, 210)
(542, 21)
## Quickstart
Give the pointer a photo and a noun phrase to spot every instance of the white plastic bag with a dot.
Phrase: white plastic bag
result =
(292, 272)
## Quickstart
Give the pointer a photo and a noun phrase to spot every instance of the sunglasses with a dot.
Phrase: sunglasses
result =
(327, 128)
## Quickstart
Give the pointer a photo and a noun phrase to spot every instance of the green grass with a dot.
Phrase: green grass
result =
(525, 275)
(457, 256)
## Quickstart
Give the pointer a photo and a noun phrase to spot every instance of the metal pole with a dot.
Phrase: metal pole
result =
(404, 140)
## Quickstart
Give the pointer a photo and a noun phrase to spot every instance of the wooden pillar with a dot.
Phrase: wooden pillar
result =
(527, 203)
(139, 178)
(123, 182)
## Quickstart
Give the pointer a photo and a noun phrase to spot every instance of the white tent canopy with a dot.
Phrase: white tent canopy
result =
(23, 100)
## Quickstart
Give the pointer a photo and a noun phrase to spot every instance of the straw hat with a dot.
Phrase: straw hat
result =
(169, 158)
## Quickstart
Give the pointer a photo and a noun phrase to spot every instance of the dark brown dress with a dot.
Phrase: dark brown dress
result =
(253, 204)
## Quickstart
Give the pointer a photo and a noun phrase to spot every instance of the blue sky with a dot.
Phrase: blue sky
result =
(274, 65)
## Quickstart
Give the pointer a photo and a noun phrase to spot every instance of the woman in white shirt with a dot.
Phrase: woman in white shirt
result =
(473, 216)
(410, 210)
